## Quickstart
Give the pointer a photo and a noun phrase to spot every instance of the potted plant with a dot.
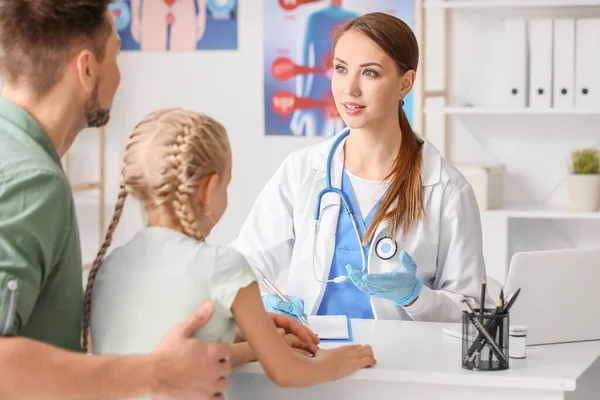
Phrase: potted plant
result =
(584, 181)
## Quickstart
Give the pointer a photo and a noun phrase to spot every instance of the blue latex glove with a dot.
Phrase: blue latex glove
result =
(401, 286)
(293, 309)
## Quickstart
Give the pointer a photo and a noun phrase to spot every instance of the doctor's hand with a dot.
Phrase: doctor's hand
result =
(293, 309)
(401, 286)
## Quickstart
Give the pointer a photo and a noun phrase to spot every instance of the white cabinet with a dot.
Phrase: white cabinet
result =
(471, 116)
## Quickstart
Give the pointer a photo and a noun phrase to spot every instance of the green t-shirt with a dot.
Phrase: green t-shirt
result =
(41, 289)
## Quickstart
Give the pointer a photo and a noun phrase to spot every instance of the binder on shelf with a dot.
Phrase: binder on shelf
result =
(540, 63)
(516, 56)
(564, 63)
(587, 64)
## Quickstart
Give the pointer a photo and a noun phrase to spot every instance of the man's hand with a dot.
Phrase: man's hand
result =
(295, 334)
(187, 368)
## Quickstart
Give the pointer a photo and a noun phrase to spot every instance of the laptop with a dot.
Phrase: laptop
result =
(559, 295)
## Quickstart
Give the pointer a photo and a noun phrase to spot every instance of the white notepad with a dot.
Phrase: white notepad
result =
(329, 326)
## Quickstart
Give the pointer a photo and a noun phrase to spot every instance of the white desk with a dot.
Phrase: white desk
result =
(415, 360)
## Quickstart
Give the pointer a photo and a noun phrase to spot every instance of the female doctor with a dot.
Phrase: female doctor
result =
(373, 223)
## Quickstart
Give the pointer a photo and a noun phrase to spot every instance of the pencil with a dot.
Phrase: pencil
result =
(491, 325)
(483, 331)
(511, 300)
(500, 324)
(482, 302)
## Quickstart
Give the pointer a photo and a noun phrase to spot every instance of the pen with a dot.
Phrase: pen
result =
(273, 289)
(503, 307)
(473, 317)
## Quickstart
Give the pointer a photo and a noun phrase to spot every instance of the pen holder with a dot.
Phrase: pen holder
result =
(478, 353)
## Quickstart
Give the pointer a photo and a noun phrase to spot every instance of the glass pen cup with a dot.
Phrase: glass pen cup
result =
(478, 353)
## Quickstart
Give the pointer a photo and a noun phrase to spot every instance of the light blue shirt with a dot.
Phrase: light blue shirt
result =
(155, 281)
(345, 298)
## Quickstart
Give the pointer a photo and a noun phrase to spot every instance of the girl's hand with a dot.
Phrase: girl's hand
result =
(343, 361)
(296, 335)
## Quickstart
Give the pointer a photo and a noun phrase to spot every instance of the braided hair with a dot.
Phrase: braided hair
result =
(167, 156)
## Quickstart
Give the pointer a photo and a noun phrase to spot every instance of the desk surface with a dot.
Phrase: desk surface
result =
(419, 352)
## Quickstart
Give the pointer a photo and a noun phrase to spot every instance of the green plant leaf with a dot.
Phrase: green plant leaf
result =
(585, 161)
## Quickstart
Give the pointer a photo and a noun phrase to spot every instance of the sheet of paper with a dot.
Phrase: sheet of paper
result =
(329, 326)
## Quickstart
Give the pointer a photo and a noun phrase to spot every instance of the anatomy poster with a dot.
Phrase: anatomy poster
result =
(176, 25)
(298, 61)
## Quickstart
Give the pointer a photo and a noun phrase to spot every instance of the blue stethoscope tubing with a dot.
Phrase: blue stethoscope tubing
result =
(329, 187)
(385, 248)
(345, 203)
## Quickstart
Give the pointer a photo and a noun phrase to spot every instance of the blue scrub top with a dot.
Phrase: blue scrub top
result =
(345, 298)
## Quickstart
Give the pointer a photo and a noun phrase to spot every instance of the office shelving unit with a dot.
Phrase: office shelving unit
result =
(509, 111)
(450, 5)
(498, 220)
(538, 211)
(96, 185)
(491, 4)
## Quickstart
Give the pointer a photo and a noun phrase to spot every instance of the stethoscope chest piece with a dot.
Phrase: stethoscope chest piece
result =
(386, 248)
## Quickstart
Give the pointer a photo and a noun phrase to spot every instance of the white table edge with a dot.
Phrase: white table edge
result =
(377, 374)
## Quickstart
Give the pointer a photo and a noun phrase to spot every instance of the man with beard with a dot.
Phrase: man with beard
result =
(58, 62)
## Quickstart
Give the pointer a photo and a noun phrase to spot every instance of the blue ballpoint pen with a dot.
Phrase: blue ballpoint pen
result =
(273, 289)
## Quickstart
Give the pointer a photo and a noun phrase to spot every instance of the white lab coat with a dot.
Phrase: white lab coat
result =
(277, 237)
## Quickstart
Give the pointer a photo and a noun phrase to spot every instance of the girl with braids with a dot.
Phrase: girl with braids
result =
(177, 164)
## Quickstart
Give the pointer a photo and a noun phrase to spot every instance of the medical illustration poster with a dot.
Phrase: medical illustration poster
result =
(176, 25)
(298, 63)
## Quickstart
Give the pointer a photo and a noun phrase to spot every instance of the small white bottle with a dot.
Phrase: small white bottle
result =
(517, 341)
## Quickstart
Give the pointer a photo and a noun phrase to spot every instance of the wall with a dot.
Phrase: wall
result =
(228, 85)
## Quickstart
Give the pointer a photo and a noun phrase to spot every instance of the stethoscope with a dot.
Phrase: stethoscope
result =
(385, 248)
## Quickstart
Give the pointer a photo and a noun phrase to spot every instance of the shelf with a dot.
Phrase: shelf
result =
(82, 187)
(481, 4)
(542, 212)
(508, 111)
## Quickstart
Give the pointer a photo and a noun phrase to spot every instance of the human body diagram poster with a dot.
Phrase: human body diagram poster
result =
(298, 63)
(176, 25)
